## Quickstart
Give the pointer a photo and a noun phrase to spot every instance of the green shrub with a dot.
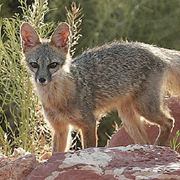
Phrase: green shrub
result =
(175, 144)
(155, 22)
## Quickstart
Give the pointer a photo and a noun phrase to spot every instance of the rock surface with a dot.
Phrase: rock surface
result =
(113, 163)
(121, 138)
(16, 168)
(118, 163)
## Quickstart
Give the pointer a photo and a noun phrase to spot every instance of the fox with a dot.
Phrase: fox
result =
(130, 77)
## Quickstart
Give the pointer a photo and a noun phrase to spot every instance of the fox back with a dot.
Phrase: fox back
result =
(128, 77)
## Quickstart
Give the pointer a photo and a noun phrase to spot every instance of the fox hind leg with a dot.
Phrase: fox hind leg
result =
(149, 106)
(132, 122)
(164, 122)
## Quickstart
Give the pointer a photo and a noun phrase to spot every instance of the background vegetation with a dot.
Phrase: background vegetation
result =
(155, 22)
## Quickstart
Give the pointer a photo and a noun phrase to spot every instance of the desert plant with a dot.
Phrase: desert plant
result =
(174, 144)
(20, 112)
(74, 18)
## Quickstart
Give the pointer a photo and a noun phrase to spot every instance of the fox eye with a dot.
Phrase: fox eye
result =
(34, 64)
(53, 65)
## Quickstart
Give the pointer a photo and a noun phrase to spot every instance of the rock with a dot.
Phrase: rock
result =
(16, 168)
(121, 138)
(45, 156)
(112, 163)
(118, 163)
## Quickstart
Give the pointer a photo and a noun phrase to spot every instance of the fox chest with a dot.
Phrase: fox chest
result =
(55, 117)
(52, 98)
(55, 108)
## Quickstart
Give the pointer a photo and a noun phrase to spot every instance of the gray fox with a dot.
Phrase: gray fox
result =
(129, 77)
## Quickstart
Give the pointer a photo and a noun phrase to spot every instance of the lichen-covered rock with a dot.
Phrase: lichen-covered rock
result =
(16, 168)
(121, 138)
(118, 163)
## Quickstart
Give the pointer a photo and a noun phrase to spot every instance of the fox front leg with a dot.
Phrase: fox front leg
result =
(61, 138)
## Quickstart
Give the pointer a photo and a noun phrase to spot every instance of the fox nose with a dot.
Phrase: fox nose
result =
(42, 80)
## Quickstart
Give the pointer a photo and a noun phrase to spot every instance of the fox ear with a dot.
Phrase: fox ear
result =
(60, 37)
(29, 37)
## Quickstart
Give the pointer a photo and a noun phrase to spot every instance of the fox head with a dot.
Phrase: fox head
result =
(45, 60)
